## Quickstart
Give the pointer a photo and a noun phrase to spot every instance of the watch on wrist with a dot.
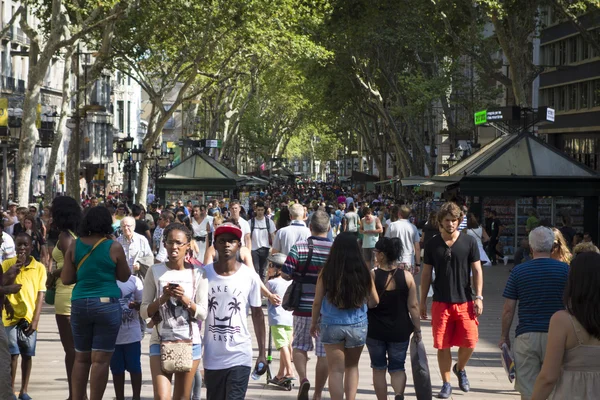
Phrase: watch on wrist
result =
(479, 298)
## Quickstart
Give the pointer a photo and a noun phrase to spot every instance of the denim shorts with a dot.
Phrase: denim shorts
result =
(387, 355)
(196, 351)
(127, 357)
(25, 346)
(95, 323)
(351, 335)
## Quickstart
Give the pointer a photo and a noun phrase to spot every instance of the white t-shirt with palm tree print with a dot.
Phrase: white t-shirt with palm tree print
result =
(227, 341)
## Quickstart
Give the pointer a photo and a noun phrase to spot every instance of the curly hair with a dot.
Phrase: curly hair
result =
(176, 226)
(96, 221)
(450, 209)
(345, 275)
(66, 214)
(390, 247)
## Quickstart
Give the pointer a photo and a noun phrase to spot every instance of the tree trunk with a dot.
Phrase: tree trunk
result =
(29, 135)
(65, 110)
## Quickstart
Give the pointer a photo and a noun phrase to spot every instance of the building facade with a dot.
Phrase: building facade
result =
(570, 84)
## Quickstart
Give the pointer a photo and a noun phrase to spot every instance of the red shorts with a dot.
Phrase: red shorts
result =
(454, 325)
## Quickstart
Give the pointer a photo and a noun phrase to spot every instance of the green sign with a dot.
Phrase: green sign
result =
(480, 117)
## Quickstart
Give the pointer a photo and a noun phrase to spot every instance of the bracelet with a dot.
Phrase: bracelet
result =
(188, 305)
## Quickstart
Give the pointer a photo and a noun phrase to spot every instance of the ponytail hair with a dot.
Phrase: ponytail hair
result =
(390, 247)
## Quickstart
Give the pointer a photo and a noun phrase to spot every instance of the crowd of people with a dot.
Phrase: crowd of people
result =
(337, 270)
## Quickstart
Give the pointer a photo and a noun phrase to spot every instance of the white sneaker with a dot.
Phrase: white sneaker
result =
(505, 260)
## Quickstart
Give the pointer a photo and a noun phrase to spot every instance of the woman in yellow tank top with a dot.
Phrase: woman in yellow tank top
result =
(66, 217)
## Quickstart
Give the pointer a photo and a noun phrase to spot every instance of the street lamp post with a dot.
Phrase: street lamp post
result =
(129, 156)
(159, 162)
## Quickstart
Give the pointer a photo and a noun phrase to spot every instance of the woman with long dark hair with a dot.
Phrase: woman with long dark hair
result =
(94, 262)
(66, 217)
(393, 321)
(284, 218)
(38, 251)
(571, 368)
(344, 290)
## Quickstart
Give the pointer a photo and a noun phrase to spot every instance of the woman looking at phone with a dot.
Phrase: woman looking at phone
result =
(175, 297)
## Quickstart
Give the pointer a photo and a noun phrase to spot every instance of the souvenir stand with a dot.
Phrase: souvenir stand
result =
(516, 172)
(198, 178)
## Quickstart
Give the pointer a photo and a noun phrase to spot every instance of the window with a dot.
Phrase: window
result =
(562, 98)
(551, 54)
(550, 97)
(584, 95)
(573, 49)
(562, 52)
(572, 97)
(585, 49)
(596, 37)
(120, 116)
(596, 93)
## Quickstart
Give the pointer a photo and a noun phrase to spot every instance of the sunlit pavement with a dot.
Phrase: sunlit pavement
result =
(487, 377)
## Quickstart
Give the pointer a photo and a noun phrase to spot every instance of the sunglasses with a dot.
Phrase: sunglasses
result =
(448, 254)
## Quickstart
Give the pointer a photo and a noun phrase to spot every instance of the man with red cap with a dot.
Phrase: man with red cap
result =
(232, 287)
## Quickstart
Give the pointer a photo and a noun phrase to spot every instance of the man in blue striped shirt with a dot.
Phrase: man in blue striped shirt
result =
(537, 285)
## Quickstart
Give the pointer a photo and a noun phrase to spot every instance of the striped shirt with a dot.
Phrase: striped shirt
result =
(538, 286)
(463, 224)
(295, 263)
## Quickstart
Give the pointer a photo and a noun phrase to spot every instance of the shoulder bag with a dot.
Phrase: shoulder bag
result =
(177, 355)
(291, 298)
(89, 253)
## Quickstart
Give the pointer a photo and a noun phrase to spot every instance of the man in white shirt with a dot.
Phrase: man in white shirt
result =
(7, 247)
(262, 231)
(235, 208)
(137, 249)
(288, 236)
(232, 288)
(409, 238)
(10, 218)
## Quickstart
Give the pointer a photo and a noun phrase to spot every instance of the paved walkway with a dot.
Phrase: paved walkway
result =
(488, 380)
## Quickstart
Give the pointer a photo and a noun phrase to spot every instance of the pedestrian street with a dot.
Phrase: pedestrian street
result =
(488, 380)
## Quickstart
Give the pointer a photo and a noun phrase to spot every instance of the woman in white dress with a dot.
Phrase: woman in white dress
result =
(201, 228)
(478, 232)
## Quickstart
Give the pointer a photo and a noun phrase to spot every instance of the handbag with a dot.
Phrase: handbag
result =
(291, 298)
(50, 289)
(420, 370)
(177, 355)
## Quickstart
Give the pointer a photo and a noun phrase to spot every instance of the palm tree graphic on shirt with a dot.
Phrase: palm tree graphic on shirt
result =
(212, 306)
(234, 307)
(219, 325)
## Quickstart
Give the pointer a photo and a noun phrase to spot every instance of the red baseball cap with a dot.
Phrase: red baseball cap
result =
(229, 228)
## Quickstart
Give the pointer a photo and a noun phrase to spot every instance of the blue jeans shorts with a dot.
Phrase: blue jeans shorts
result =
(196, 350)
(127, 357)
(351, 335)
(387, 355)
(25, 347)
(95, 323)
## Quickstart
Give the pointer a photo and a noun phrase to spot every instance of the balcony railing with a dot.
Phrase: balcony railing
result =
(21, 37)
